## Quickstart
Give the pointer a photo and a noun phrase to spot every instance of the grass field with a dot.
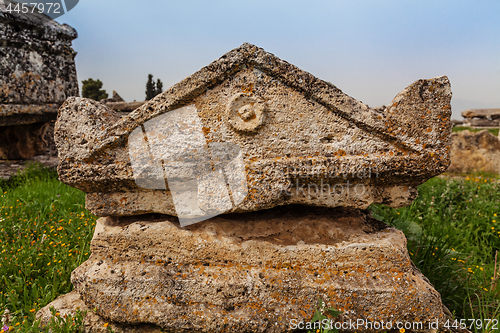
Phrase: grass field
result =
(458, 129)
(453, 231)
(45, 234)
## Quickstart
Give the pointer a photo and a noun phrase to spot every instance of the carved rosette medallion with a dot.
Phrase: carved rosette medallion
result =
(245, 113)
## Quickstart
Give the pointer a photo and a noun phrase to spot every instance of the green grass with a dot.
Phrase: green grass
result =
(457, 129)
(45, 233)
(453, 231)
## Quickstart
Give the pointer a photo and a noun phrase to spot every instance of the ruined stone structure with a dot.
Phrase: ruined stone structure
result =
(124, 106)
(114, 99)
(231, 202)
(474, 152)
(118, 104)
(482, 117)
(37, 74)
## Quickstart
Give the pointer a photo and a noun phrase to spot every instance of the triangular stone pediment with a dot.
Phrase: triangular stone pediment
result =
(247, 56)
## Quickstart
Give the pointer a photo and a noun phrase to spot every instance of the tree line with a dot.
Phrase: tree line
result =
(92, 89)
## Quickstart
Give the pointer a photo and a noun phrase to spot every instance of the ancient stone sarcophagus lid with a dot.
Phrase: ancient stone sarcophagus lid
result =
(249, 132)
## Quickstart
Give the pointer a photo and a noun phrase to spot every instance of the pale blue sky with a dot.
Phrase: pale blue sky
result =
(370, 49)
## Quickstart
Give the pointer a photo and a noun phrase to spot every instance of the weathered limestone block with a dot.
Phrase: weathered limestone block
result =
(18, 114)
(482, 113)
(472, 152)
(37, 73)
(484, 122)
(253, 272)
(37, 63)
(257, 132)
(124, 106)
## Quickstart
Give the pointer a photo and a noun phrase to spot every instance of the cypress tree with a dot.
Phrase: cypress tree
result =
(150, 88)
(159, 87)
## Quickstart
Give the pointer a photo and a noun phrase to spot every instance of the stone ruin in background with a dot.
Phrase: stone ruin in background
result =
(476, 152)
(234, 201)
(37, 74)
(481, 117)
(117, 103)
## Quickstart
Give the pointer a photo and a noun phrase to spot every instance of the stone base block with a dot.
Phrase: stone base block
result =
(253, 272)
